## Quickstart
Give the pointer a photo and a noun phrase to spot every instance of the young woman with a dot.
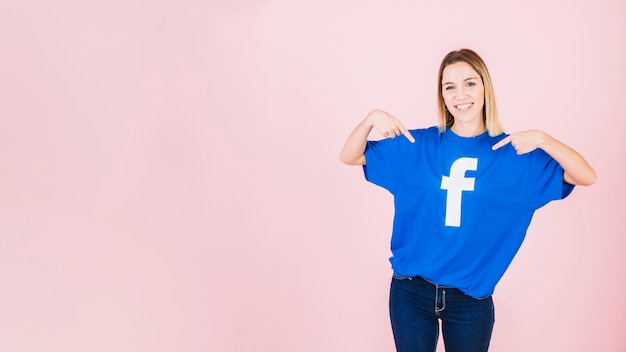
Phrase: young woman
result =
(464, 195)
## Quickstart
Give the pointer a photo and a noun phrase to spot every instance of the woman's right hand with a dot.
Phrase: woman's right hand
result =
(353, 152)
(387, 125)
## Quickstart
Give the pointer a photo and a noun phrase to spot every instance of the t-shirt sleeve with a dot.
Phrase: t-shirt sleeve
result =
(384, 162)
(546, 180)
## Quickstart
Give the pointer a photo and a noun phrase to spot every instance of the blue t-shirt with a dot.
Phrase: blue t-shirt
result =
(461, 208)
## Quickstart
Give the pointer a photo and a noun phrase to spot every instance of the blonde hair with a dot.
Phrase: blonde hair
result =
(490, 111)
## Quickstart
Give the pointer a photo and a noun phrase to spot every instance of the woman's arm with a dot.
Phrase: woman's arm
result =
(577, 170)
(353, 152)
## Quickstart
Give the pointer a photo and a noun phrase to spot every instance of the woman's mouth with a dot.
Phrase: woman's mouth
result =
(464, 107)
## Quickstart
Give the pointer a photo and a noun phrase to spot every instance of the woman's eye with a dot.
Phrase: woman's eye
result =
(449, 88)
(471, 84)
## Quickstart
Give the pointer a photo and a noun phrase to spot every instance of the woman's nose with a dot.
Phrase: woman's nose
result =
(460, 93)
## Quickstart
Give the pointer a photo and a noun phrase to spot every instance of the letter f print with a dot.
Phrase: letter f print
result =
(455, 184)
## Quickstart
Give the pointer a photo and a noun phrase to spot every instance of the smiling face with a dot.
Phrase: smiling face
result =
(464, 97)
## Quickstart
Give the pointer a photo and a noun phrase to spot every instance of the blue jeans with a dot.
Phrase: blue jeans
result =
(416, 306)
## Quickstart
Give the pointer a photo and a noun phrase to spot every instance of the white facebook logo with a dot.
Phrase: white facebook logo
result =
(455, 184)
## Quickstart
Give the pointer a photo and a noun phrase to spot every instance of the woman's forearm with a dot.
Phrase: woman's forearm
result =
(353, 152)
(577, 170)
(387, 125)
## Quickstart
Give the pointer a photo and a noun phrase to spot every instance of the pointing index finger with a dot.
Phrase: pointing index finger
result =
(502, 143)
(407, 134)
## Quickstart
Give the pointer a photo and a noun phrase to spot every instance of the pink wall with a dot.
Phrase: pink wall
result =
(169, 177)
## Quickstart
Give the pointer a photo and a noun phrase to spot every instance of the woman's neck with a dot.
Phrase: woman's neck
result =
(468, 130)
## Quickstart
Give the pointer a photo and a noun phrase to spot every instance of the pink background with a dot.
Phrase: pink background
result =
(169, 174)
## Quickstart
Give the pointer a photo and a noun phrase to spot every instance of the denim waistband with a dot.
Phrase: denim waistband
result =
(434, 285)
(424, 280)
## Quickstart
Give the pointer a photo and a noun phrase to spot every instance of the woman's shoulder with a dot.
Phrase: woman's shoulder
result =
(419, 134)
(425, 132)
(431, 129)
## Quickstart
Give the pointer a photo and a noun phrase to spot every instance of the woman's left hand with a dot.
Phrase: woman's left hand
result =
(524, 141)
(576, 169)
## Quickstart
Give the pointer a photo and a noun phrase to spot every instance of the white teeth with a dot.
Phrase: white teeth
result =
(464, 106)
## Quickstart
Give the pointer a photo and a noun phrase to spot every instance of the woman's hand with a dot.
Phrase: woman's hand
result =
(523, 142)
(576, 169)
(387, 125)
